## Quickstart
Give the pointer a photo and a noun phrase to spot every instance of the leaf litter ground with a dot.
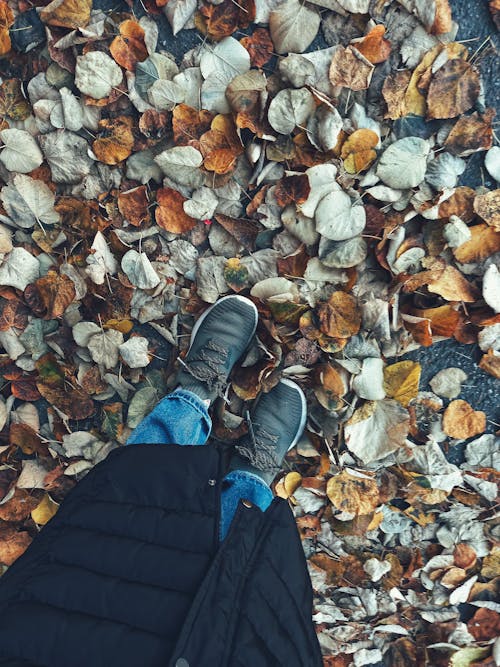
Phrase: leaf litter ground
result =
(136, 188)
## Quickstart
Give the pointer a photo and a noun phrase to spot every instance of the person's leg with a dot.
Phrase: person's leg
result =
(276, 423)
(181, 418)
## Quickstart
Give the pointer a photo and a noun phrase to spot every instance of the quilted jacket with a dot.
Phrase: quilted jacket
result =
(130, 573)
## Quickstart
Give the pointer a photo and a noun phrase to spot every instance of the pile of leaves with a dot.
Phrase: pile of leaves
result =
(324, 184)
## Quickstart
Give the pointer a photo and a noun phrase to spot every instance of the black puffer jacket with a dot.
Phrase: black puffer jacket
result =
(130, 573)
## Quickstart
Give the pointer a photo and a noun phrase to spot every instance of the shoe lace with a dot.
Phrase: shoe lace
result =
(207, 366)
(259, 447)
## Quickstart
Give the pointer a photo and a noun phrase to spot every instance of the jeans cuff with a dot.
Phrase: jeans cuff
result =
(193, 400)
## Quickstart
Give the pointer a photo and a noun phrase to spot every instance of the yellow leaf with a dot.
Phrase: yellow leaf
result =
(45, 510)
(125, 326)
(356, 495)
(401, 381)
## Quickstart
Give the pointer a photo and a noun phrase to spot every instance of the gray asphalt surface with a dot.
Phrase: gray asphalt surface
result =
(473, 16)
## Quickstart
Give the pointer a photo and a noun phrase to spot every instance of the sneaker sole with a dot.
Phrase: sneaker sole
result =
(294, 385)
(233, 297)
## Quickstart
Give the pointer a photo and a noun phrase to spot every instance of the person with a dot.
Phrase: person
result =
(165, 554)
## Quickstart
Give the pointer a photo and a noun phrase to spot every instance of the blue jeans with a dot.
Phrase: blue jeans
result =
(182, 418)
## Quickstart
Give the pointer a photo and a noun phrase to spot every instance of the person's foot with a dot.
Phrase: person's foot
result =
(275, 425)
(219, 338)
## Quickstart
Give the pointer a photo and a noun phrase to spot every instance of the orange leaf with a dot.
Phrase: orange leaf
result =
(189, 124)
(219, 21)
(461, 421)
(169, 213)
(443, 18)
(490, 363)
(54, 292)
(133, 205)
(374, 46)
(260, 47)
(67, 13)
(6, 20)
(349, 68)
(443, 320)
(129, 48)
(452, 286)
(339, 317)
(358, 151)
(485, 241)
(115, 141)
(220, 146)
(453, 90)
(349, 493)
(13, 543)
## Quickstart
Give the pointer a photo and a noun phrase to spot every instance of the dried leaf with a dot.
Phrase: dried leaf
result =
(487, 206)
(401, 381)
(115, 140)
(13, 104)
(260, 47)
(290, 108)
(358, 151)
(221, 146)
(485, 241)
(453, 90)
(56, 292)
(293, 26)
(170, 214)
(45, 510)
(339, 317)
(71, 14)
(97, 74)
(133, 205)
(221, 20)
(350, 69)
(29, 201)
(374, 47)
(461, 421)
(129, 48)
(353, 494)
(471, 134)
(20, 152)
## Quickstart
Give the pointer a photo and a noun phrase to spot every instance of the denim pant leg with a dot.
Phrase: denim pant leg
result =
(238, 485)
(181, 418)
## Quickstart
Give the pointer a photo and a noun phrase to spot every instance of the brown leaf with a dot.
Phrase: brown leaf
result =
(464, 556)
(128, 48)
(27, 439)
(339, 317)
(394, 93)
(308, 325)
(330, 386)
(485, 242)
(490, 363)
(292, 189)
(349, 493)
(461, 421)
(155, 124)
(60, 391)
(460, 203)
(169, 213)
(443, 19)
(452, 286)
(25, 388)
(219, 21)
(471, 134)
(350, 69)
(484, 625)
(374, 47)
(6, 20)
(189, 124)
(495, 12)
(453, 90)
(72, 14)
(55, 291)
(13, 544)
(13, 104)
(115, 140)
(133, 205)
(487, 206)
(13, 313)
(358, 151)
(220, 146)
(244, 231)
(79, 216)
(18, 508)
(295, 264)
(260, 47)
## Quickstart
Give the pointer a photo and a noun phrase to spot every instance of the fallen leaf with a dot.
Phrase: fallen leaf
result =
(293, 26)
(490, 363)
(128, 48)
(471, 134)
(401, 381)
(452, 286)
(6, 20)
(260, 47)
(20, 151)
(45, 510)
(115, 140)
(19, 268)
(56, 292)
(29, 202)
(404, 163)
(97, 74)
(453, 90)
(67, 156)
(377, 429)
(339, 317)
(138, 269)
(59, 392)
(13, 104)
(178, 13)
(221, 146)
(236, 275)
(358, 151)
(330, 387)
(350, 69)
(292, 189)
(374, 47)
(133, 204)
(337, 219)
(181, 164)
(169, 213)
(189, 124)
(221, 20)
(27, 439)
(71, 14)
(290, 108)
(394, 93)
(13, 543)
(244, 231)
(103, 347)
(487, 206)
(353, 494)
(485, 241)
(448, 382)
(134, 352)
(244, 93)
(461, 421)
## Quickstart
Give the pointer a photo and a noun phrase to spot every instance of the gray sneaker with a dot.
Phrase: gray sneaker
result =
(275, 425)
(219, 338)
